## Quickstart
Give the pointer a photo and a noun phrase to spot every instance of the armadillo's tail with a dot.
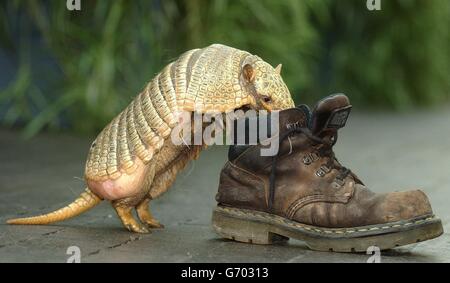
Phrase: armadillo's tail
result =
(84, 202)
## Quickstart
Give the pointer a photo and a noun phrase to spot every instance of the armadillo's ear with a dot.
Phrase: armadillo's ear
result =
(248, 72)
(278, 69)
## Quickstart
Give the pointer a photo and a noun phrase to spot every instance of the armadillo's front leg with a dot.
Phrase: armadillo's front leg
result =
(126, 216)
(146, 217)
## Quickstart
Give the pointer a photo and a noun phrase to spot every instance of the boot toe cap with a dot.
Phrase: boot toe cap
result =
(399, 206)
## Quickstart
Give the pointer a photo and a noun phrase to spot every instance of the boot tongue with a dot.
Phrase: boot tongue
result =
(298, 117)
(330, 114)
(288, 119)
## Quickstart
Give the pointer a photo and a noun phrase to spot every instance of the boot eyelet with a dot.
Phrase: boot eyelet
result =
(307, 160)
(320, 173)
(325, 168)
(310, 158)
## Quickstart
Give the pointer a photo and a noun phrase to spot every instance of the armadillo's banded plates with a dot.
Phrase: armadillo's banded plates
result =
(127, 137)
(162, 114)
(198, 80)
(181, 72)
(103, 161)
(112, 165)
(125, 148)
(137, 146)
(167, 89)
(94, 156)
(142, 125)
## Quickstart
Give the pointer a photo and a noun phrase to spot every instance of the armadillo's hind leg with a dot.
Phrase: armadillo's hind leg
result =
(126, 216)
(143, 211)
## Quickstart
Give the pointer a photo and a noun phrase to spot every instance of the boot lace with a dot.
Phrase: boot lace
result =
(325, 149)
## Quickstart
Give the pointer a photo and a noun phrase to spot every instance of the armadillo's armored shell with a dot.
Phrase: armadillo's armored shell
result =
(200, 80)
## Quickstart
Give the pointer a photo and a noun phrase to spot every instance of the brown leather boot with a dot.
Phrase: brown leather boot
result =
(305, 193)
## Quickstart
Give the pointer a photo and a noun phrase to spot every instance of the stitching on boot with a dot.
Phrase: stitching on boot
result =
(319, 230)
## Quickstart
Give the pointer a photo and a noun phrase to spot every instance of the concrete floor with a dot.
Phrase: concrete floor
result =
(387, 151)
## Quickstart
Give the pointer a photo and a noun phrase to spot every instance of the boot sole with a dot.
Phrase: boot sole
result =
(257, 227)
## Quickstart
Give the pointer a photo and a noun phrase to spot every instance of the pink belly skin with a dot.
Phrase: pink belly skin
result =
(126, 185)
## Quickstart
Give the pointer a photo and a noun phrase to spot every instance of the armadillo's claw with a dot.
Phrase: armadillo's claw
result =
(137, 228)
(146, 216)
(153, 223)
(128, 220)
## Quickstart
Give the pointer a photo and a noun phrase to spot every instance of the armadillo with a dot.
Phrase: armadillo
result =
(133, 159)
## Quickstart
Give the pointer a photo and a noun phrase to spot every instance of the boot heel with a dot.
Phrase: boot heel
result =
(242, 230)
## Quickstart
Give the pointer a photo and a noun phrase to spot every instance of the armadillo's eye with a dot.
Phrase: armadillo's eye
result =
(267, 99)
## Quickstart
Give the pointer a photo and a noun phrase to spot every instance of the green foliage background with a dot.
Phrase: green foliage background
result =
(103, 55)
